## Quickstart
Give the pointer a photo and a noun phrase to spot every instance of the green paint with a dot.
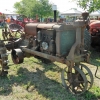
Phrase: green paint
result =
(67, 40)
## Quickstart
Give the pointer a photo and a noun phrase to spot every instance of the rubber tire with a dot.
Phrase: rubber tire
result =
(87, 40)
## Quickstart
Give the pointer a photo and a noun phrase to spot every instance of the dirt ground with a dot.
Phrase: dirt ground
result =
(97, 76)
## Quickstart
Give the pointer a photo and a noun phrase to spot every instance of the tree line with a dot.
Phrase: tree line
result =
(34, 8)
(88, 5)
(42, 8)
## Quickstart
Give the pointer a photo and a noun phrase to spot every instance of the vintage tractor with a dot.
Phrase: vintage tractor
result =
(59, 42)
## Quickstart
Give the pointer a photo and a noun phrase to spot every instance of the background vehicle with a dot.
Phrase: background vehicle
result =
(94, 29)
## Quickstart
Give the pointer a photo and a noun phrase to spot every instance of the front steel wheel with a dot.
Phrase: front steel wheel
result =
(88, 75)
(74, 81)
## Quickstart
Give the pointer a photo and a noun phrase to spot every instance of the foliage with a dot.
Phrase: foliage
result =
(89, 5)
(24, 7)
(41, 8)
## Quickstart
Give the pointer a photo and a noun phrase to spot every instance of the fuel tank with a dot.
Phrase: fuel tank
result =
(31, 29)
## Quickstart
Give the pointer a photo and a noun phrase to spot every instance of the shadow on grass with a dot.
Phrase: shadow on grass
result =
(50, 66)
(48, 88)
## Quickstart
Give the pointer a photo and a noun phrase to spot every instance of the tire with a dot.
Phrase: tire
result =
(87, 40)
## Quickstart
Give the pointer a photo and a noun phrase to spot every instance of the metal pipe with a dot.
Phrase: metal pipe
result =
(50, 57)
(55, 15)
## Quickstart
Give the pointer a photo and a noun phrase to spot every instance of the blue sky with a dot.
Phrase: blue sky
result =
(62, 5)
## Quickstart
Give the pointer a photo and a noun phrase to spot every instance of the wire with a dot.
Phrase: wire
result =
(96, 73)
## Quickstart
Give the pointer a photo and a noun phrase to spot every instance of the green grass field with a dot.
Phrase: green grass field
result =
(34, 80)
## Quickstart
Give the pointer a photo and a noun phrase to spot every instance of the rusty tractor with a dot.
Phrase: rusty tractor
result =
(51, 42)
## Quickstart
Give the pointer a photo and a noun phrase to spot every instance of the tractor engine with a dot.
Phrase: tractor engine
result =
(46, 40)
(41, 39)
(51, 38)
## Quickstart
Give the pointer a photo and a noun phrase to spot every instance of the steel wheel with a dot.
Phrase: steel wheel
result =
(3, 69)
(74, 81)
(17, 56)
(3, 62)
(88, 75)
(3, 59)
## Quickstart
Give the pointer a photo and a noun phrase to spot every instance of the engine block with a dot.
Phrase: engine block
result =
(47, 41)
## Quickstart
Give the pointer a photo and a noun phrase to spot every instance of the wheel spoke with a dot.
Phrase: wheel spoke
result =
(81, 88)
(88, 75)
(89, 82)
(83, 85)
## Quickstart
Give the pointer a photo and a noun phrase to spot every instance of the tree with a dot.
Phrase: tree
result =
(30, 8)
(24, 7)
(43, 8)
(89, 5)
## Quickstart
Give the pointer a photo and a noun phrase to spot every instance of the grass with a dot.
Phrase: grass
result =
(34, 80)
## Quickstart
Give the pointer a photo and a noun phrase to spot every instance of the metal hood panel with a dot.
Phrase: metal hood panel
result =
(31, 28)
(62, 27)
(46, 26)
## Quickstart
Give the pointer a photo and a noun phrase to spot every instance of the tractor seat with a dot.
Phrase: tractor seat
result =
(15, 27)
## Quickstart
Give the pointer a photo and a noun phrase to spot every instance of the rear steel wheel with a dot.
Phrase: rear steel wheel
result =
(74, 81)
(17, 56)
(88, 75)
(3, 60)
(3, 68)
